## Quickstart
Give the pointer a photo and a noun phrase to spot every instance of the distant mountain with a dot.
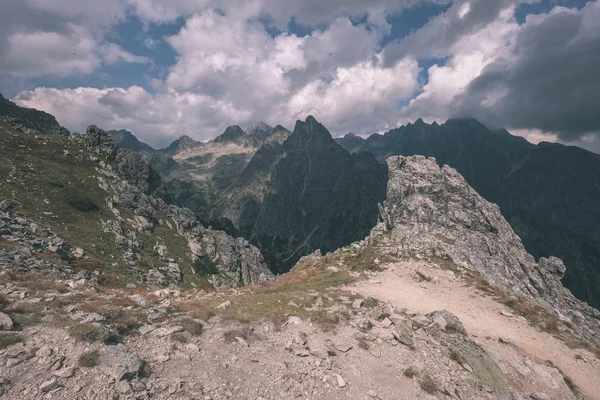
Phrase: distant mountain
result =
(320, 196)
(549, 193)
(351, 142)
(30, 118)
(180, 145)
(127, 140)
(260, 131)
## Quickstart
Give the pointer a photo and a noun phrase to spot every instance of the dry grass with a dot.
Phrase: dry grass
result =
(8, 339)
(457, 357)
(410, 372)
(89, 359)
(428, 384)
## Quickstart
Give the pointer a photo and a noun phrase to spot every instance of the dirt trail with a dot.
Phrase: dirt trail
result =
(482, 317)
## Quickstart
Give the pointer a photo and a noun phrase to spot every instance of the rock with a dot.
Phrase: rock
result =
(507, 314)
(402, 337)
(119, 362)
(6, 323)
(122, 387)
(5, 205)
(138, 386)
(342, 346)
(78, 252)
(432, 211)
(362, 323)
(358, 303)
(242, 341)
(224, 305)
(144, 329)
(49, 385)
(341, 382)
(64, 373)
(44, 351)
(167, 331)
(139, 300)
(11, 362)
(88, 317)
(540, 396)
(421, 321)
(447, 322)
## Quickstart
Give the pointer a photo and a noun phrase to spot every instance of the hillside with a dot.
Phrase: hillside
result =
(548, 193)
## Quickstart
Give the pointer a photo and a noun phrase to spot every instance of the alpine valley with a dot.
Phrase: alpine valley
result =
(431, 262)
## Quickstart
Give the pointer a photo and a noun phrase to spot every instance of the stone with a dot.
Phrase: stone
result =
(5, 205)
(78, 252)
(242, 341)
(341, 382)
(421, 321)
(6, 323)
(342, 346)
(49, 385)
(224, 305)
(64, 373)
(144, 329)
(119, 362)
(402, 337)
(167, 331)
(122, 387)
(44, 351)
(507, 314)
(358, 303)
(363, 323)
(139, 300)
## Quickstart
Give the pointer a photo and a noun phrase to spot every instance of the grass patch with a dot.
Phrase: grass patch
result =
(428, 384)
(8, 339)
(245, 333)
(410, 372)
(193, 327)
(89, 333)
(89, 359)
(457, 357)
(181, 338)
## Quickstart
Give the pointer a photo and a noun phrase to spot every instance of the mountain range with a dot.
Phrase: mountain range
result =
(292, 193)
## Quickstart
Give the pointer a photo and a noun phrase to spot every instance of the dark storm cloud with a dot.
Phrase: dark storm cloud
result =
(552, 83)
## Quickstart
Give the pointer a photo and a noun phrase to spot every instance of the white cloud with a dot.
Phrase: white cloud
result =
(49, 53)
(113, 54)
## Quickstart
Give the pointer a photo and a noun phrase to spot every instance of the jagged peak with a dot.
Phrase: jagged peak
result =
(232, 133)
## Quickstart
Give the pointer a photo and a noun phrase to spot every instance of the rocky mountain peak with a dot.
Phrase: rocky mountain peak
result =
(232, 134)
(433, 212)
(260, 131)
(183, 143)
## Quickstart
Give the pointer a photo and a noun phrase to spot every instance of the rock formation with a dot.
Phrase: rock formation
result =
(135, 186)
(432, 211)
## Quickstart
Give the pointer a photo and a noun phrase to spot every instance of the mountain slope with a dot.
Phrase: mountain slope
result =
(549, 193)
(30, 118)
(320, 196)
(127, 140)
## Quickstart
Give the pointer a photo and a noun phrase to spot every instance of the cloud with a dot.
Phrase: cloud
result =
(549, 81)
(113, 54)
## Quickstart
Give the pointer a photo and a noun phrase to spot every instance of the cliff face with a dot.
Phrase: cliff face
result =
(138, 188)
(547, 192)
(432, 211)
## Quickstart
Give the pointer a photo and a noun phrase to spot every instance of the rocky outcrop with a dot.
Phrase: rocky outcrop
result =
(135, 186)
(432, 211)
(547, 192)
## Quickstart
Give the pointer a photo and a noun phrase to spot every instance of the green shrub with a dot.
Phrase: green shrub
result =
(205, 266)
(81, 202)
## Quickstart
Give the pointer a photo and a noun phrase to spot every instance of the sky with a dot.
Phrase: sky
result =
(167, 68)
